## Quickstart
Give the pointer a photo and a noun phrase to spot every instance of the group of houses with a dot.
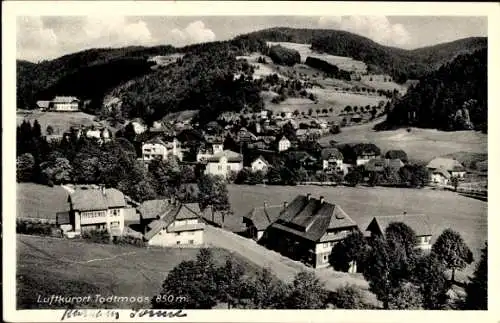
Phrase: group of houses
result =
(158, 222)
(307, 228)
(304, 229)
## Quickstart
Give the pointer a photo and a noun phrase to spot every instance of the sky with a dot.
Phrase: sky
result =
(48, 37)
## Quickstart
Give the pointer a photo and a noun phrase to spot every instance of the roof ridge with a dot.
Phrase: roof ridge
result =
(388, 216)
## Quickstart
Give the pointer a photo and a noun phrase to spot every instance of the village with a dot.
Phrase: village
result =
(279, 168)
(262, 150)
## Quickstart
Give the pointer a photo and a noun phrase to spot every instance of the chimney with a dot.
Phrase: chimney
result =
(308, 196)
(321, 199)
(285, 205)
(404, 213)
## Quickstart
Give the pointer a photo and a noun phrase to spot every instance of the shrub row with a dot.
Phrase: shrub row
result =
(37, 227)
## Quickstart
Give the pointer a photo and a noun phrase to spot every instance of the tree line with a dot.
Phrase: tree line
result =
(404, 277)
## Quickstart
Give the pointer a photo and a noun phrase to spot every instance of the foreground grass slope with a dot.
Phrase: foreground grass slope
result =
(47, 266)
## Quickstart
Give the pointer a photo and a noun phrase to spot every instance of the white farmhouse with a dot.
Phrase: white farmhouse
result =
(284, 144)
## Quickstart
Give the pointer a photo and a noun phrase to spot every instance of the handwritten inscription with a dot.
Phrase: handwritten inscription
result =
(158, 313)
(75, 314)
(78, 314)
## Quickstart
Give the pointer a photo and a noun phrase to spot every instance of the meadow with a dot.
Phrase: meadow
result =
(50, 266)
(445, 209)
(345, 63)
(60, 121)
(419, 144)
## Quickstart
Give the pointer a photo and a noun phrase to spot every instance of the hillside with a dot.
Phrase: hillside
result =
(452, 98)
(399, 63)
(202, 76)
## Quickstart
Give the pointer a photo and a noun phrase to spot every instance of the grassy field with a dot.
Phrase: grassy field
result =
(60, 121)
(40, 201)
(419, 144)
(445, 209)
(47, 266)
(345, 63)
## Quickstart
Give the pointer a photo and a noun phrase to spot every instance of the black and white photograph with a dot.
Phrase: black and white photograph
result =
(169, 163)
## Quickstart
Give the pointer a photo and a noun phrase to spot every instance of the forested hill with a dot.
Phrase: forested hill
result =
(454, 97)
(72, 74)
(203, 79)
(399, 63)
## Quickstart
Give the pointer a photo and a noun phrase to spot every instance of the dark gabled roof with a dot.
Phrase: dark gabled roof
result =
(152, 209)
(156, 140)
(96, 199)
(301, 155)
(232, 157)
(264, 216)
(331, 153)
(176, 212)
(310, 219)
(418, 222)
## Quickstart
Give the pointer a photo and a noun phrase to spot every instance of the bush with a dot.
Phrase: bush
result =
(97, 236)
(35, 227)
(129, 240)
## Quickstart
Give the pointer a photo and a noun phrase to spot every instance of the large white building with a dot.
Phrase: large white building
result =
(95, 209)
(284, 144)
(159, 149)
(223, 163)
(64, 104)
(175, 224)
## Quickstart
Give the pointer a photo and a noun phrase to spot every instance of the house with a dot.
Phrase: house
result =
(96, 209)
(264, 114)
(213, 148)
(376, 165)
(419, 223)
(260, 165)
(151, 210)
(307, 229)
(156, 148)
(284, 144)
(440, 176)
(244, 135)
(260, 218)
(356, 118)
(179, 225)
(332, 159)
(162, 128)
(64, 104)
(102, 135)
(223, 163)
(43, 105)
(363, 153)
(452, 166)
(303, 158)
(394, 164)
(138, 125)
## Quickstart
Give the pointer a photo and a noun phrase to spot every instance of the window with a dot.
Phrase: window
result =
(191, 241)
(178, 242)
(325, 258)
(228, 167)
(325, 245)
(219, 167)
(177, 233)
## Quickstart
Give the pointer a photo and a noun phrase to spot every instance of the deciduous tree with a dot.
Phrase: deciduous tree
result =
(452, 251)
(477, 288)
(306, 292)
